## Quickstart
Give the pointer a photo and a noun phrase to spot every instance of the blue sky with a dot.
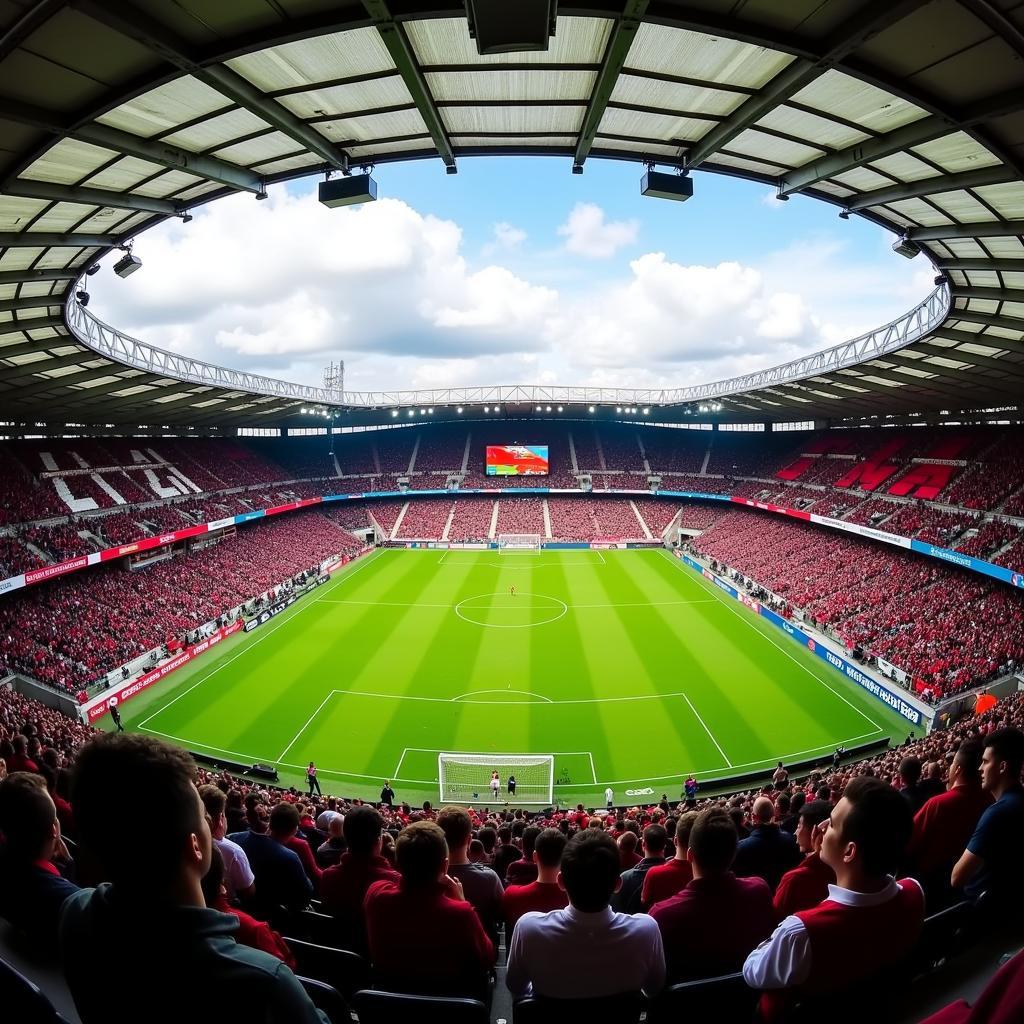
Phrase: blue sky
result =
(512, 271)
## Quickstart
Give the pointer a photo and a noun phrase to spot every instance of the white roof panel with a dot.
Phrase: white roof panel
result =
(806, 125)
(68, 162)
(343, 99)
(957, 152)
(1007, 200)
(653, 126)
(510, 86)
(216, 131)
(166, 106)
(674, 96)
(854, 100)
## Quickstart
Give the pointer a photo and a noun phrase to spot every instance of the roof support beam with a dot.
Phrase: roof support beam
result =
(914, 134)
(36, 323)
(131, 22)
(25, 370)
(30, 302)
(619, 41)
(56, 383)
(873, 18)
(146, 399)
(975, 229)
(997, 175)
(30, 276)
(28, 347)
(958, 291)
(36, 15)
(153, 150)
(1010, 266)
(949, 376)
(32, 239)
(90, 197)
(397, 42)
(1006, 323)
(959, 356)
(972, 338)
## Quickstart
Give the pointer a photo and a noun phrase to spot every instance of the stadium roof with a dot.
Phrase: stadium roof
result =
(115, 115)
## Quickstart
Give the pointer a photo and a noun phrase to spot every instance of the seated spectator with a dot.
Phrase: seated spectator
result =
(712, 924)
(19, 761)
(280, 878)
(32, 887)
(933, 780)
(999, 1003)
(239, 881)
(945, 823)
(628, 857)
(665, 880)
(910, 778)
(343, 887)
(991, 862)
(507, 851)
(627, 899)
(329, 852)
(524, 870)
(251, 932)
(284, 827)
(424, 936)
(768, 851)
(481, 884)
(587, 949)
(869, 922)
(544, 893)
(806, 885)
(157, 899)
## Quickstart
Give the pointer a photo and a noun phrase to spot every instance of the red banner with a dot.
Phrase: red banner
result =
(768, 507)
(36, 575)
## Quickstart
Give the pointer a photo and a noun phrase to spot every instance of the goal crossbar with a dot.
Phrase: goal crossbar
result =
(523, 541)
(466, 778)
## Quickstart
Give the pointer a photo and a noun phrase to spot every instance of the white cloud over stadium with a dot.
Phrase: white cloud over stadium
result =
(285, 286)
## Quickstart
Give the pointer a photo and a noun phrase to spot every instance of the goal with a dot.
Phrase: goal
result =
(521, 541)
(466, 778)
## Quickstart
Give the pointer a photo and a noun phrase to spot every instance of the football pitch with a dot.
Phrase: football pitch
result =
(629, 668)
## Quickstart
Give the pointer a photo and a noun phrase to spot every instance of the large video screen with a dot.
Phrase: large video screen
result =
(517, 460)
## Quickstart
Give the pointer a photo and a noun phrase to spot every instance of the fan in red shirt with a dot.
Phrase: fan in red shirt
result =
(284, 826)
(806, 885)
(545, 893)
(628, 857)
(423, 935)
(665, 880)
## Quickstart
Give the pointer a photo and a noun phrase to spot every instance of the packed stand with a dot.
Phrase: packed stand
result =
(425, 518)
(520, 515)
(472, 520)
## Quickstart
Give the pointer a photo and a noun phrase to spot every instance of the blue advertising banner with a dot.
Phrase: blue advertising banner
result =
(999, 572)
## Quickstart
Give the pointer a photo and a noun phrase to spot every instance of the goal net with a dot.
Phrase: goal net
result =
(522, 541)
(466, 778)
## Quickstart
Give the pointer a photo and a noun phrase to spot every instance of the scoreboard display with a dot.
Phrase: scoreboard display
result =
(517, 460)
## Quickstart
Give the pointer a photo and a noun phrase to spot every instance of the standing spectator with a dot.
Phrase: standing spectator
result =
(544, 893)
(239, 881)
(780, 777)
(480, 884)
(806, 885)
(665, 880)
(690, 787)
(387, 795)
(326, 816)
(586, 950)
(910, 777)
(767, 851)
(627, 899)
(32, 888)
(115, 716)
(867, 910)
(447, 952)
(991, 862)
(933, 780)
(712, 924)
(609, 797)
(945, 823)
(343, 887)
(312, 781)
(280, 878)
(160, 896)
(524, 870)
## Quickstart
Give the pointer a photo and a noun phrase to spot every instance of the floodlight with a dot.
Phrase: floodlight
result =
(577, 168)
(844, 214)
(618, 409)
(647, 412)
(549, 408)
(394, 412)
(412, 412)
(262, 194)
(666, 186)
(487, 408)
(359, 188)
(538, 408)
(186, 218)
(430, 412)
(941, 279)
(93, 269)
(459, 410)
(559, 408)
(905, 247)
(127, 265)
(591, 409)
(83, 297)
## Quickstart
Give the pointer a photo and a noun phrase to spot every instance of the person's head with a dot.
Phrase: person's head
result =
(28, 818)
(488, 837)
(910, 771)
(713, 840)
(782, 805)
(476, 851)
(457, 827)
(684, 826)
(139, 769)
(362, 829)
(530, 834)
(336, 828)
(627, 842)
(547, 853)
(1002, 760)
(216, 804)
(866, 833)
(811, 816)
(590, 870)
(421, 854)
(655, 838)
(763, 811)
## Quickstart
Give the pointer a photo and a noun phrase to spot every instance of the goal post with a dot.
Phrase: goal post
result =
(518, 541)
(466, 778)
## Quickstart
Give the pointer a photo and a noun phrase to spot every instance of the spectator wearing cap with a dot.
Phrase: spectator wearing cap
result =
(665, 880)
(543, 893)
(587, 949)
(991, 862)
(239, 881)
(343, 887)
(158, 899)
(480, 883)
(806, 885)
(867, 910)
(717, 919)
(32, 857)
(424, 936)
(280, 878)
(627, 899)
(945, 823)
(768, 851)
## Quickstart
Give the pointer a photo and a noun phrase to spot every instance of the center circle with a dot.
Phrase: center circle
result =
(502, 610)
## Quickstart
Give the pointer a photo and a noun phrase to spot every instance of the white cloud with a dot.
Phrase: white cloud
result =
(284, 287)
(508, 236)
(588, 234)
(772, 201)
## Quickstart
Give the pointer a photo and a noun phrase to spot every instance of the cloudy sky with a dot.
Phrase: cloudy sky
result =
(513, 271)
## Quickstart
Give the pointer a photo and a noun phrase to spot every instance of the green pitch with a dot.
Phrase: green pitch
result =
(631, 669)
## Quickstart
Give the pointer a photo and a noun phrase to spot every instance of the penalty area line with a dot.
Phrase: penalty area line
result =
(718, 745)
